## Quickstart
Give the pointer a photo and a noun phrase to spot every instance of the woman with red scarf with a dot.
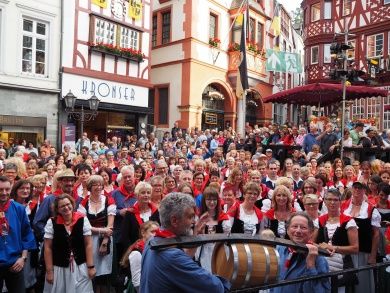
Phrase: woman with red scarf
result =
(282, 208)
(100, 211)
(142, 211)
(217, 222)
(22, 193)
(245, 217)
(132, 258)
(108, 186)
(68, 249)
(338, 233)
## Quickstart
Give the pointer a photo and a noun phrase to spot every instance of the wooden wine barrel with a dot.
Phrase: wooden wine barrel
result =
(245, 264)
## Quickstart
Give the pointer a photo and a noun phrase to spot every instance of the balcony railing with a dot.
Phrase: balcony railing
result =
(255, 62)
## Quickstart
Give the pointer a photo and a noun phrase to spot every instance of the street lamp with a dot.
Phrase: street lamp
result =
(81, 115)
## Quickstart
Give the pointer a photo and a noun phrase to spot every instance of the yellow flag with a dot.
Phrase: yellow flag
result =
(135, 9)
(275, 25)
(100, 3)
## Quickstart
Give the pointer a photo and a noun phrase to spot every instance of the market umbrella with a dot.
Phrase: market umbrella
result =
(323, 94)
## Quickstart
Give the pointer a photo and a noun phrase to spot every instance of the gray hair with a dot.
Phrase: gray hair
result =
(174, 204)
(153, 180)
(142, 185)
(127, 168)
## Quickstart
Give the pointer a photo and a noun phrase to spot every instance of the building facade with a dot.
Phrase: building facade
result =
(195, 60)
(106, 53)
(368, 23)
(29, 65)
(289, 40)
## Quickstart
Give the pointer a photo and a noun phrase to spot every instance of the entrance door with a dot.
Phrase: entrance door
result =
(213, 108)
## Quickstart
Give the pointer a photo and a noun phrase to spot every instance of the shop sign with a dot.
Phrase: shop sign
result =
(106, 91)
(22, 121)
(211, 118)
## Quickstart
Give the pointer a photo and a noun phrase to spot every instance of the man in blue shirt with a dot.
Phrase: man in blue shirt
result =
(310, 139)
(172, 269)
(293, 265)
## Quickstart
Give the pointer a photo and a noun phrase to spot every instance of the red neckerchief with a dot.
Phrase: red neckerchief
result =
(137, 212)
(32, 204)
(342, 219)
(223, 216)
(291, 253)
(41, 197)
(139, 245)
(164, 234)
(58, 192)
(75, 217)
(124, 191)
(3, 219)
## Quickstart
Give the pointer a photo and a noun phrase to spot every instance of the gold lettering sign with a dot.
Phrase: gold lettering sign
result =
(211, 118)
(135, 9)
(100, 3)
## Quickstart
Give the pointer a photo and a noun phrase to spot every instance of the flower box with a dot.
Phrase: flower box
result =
(126, 53)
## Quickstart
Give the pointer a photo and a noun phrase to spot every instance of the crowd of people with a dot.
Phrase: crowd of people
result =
(79, 220)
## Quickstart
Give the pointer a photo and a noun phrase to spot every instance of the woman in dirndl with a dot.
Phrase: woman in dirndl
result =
(68, 249)
(100, 211)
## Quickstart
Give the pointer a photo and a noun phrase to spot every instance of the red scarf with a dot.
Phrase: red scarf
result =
(4, 226)
(291, 253)
(75, 217)
(137, 213)
(164, 234)
(139, 245)
(124, 191)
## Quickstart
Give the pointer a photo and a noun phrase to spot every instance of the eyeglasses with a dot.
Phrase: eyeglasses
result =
(332, 199)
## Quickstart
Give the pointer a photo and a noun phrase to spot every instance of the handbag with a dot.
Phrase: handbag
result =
(338, 262)
(108, 244)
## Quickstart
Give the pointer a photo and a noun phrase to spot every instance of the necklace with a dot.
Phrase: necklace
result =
(95, 201)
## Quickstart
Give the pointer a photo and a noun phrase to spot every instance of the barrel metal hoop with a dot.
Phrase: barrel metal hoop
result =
(267, 264)
(235, 262)
(277, 261)
(249, 267)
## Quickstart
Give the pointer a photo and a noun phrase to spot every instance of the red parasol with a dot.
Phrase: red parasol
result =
(323, 94)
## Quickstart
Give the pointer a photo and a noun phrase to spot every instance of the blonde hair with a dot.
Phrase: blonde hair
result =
(376, 166)
(142, 185)
(124, 262)
(283, 190)
(285, 181)
(21, 171)
(309, 196)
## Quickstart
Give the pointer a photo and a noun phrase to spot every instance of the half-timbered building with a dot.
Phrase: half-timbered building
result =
(368, 25)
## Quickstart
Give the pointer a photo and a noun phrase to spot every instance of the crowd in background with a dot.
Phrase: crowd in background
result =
(100, 202)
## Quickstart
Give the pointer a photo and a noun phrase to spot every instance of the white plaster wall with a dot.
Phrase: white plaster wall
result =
(171, 75)
(11, 26)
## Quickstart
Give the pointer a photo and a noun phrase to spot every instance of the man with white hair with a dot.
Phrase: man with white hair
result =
(172, 269)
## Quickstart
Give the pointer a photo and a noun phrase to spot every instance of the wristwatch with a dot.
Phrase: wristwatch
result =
(24, 258)
(91, 267)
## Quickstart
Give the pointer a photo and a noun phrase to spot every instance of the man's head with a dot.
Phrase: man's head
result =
(177, 213)
(67, 179)
(272, 169)
(127, 177)
(5, 189)
(359, 126)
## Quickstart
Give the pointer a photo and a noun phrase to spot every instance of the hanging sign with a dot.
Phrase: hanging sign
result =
(100, 3)
(135, 9)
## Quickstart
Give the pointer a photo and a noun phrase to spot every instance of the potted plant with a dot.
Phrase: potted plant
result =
(214, 42)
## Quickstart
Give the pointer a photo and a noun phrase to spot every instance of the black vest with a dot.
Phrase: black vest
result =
(365, 234)
(64, 244)
(340, 236)
(273, 225)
